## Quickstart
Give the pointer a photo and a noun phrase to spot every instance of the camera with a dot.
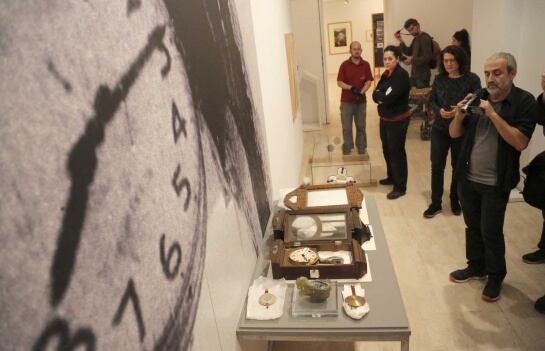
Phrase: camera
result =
(474, 100)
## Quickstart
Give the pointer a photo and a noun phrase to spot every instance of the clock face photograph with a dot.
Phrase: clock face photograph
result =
(132, 162)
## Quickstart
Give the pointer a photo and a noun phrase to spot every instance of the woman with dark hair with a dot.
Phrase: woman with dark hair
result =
(392, 98)
(461, 39)
(450, 86)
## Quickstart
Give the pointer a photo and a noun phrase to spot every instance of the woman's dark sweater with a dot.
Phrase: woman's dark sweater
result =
(447, 92)
(392, 93)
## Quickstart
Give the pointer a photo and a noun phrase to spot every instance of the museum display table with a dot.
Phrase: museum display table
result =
(386, 320)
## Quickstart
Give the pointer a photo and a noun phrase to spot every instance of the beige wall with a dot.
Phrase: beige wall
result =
(515, 26)
(359, 13)
(305, 19)
(440, 18)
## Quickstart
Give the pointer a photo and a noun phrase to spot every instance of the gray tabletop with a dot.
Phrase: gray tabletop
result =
(385, 320)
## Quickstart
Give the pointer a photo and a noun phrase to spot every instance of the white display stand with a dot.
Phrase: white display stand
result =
(328, 162)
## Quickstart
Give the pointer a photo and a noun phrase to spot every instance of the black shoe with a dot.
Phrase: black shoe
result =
(386, 181)
(491, 291)
(540, 304)
(394, 194)
(463, 275)
(534, 257)
(432, 211)
(455, 208)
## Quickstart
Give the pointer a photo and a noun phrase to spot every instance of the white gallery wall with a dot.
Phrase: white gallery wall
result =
(305, 19)
(440, 18)
(515, 26)
(230, 260)
(271, 21)
(359, 13)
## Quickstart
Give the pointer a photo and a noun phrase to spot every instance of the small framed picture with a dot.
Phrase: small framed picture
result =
(340, 37)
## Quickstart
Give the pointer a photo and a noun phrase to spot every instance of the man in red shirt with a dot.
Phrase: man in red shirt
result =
(354, 79)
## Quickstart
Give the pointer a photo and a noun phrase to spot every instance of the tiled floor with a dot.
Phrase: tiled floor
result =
(442, 315)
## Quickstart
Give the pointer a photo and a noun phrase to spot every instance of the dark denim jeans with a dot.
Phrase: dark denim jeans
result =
(440, 144)
(483, 207)
(393, 135)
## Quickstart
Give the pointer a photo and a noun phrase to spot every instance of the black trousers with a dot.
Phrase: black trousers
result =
(541, 243)
(440, 144)
(483, 207)
(393, 135)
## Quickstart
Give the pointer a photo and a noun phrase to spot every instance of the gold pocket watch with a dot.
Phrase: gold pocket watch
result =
(304, 255)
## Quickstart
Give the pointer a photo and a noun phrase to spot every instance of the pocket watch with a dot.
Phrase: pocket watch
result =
(303, 255)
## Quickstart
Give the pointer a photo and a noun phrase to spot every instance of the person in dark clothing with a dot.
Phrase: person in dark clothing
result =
(451, 85)
(539, 255)
(392, 97)
(461, 39)
(419, 53)
(493, 137)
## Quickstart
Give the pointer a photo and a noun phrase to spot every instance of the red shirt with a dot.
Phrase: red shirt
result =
(354, 75)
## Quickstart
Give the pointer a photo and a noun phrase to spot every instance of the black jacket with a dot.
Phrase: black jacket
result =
(520, 110)
(392, 93)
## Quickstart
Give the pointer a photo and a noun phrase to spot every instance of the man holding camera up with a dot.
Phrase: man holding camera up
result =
(493, 136)
(354, 79)
(419, 53)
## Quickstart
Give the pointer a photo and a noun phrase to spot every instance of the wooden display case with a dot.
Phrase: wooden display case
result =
(309, 197)
(303, 236)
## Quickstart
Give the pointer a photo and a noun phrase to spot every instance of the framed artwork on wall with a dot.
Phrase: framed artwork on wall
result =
(292, 73)
(377, 20)
(369, 35)
(340, 36)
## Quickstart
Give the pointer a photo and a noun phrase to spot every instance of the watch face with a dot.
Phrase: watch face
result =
(105, 134)
(104, 215)
(303, 255)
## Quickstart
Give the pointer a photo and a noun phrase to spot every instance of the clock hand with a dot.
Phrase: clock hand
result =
(82, 164)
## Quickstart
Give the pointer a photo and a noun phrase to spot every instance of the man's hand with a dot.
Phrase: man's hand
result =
(487, 107)
(356, 91)
(357, 94)
(458, 109)
(408, 60)
(508, 133)
(447, 114)
(543, 81)
(455, 128)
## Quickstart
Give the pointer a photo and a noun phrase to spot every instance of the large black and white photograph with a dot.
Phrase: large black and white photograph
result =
(184, 175)
(126, 138)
